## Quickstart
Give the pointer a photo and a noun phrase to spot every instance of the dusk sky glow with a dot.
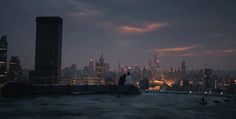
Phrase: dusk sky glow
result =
(201, 32)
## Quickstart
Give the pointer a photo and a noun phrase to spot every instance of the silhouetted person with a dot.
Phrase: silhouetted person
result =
(121, 84)
(122, 80)
(128, 79)
(203, 99)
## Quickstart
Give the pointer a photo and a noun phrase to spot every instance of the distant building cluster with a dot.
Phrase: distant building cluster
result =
(202, 80)
(151, 77)
(96, 73)
(14, 71)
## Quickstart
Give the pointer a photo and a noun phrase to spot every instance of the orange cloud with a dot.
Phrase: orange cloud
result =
(229, 51)
(142, 28)
(188, 54)
(209, 52)
(219, 52)
(190, 51)
(176, 49)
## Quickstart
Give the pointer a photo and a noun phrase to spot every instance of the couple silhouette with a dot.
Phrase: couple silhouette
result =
(125, 79)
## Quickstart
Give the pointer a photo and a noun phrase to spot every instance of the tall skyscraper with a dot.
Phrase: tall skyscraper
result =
(48, 50)
(3, 59)
(100, 68)
(101, 59)
(73, 70)
(91, 67)
(183, 70)
(155, 68)
(15, 71)
(208, 79)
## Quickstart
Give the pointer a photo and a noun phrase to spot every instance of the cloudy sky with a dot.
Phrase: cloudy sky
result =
(201, 32)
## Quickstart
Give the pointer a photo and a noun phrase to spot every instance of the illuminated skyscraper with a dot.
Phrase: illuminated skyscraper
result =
(184, 76)
(3, 59)
(48, 50)
(156, 63)
(91, 67)
(155, 68)
(208, 79)
(100, 68)
(183, 70)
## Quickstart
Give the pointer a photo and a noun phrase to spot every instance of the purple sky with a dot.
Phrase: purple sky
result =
(201, 32)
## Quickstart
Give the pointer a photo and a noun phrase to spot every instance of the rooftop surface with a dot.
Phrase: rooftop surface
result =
(144, 106)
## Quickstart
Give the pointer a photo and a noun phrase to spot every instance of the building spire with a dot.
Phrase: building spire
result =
(101, 59)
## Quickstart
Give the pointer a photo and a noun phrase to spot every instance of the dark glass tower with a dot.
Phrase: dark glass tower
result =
(3, 59)
(48, 50)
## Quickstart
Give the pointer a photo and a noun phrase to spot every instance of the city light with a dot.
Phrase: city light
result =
(155, 88)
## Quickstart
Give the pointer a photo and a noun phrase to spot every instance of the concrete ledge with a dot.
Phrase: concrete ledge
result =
(16, 89)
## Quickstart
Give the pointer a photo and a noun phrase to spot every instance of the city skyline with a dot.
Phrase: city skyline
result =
(129, 32)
